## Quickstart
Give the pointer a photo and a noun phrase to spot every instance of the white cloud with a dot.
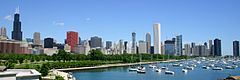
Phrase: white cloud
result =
(58, 23)
(87, 19)
(9, 17)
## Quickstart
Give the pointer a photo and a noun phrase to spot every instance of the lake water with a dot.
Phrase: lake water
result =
(122, 73)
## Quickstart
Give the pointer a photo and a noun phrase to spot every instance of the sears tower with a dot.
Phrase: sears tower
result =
(17, 33)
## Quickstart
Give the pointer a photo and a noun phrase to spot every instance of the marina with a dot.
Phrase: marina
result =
(194, 69)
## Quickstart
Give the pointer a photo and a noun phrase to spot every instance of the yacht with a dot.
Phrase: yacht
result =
(132, 69)
(158, 70)
(152, 66)
(189, 68)
(141, 71)
(229, 67)
(164, 68)
(217, 68)
(205, 67)
(184, 70)
(169, 72)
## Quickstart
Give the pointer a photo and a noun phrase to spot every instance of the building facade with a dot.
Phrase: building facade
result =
(17, 33)
(178, 44)
(157, 38)
(133, 50)
(217, 47)
(72, 39)
(235, 48)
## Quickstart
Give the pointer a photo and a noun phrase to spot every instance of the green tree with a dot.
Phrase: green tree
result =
(96, 55)
(44, 69)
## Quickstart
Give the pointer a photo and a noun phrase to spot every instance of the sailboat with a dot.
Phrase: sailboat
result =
(141, 69)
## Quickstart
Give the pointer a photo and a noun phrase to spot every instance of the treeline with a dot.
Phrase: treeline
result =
(94, 55)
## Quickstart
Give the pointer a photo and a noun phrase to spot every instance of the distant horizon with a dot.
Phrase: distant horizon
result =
(198, 21)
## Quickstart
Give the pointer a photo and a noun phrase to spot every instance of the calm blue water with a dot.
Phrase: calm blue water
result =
(122, 73)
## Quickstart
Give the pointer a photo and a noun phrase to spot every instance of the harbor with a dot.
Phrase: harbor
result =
(194, 69)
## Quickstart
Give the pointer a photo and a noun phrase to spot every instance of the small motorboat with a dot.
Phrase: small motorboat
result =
(205, 67)
(158, 70)
(164, 68)
(132, 69)
(184, 70)
(189, 68)
(169, 72)
(152, 66)
(217, 68)
(141, 71)
(229, 67)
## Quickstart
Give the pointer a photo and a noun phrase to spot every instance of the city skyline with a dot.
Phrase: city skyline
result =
(170, 28)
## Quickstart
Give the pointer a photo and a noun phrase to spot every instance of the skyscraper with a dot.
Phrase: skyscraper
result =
(3, 33)
(133, 43)
(121, 46)
(187, 50)
(72, 39)
(96, 42)
(210, 46)
(157, 38)
(108, 44)
(235, 48)
(169, 47)
(142, 46)
(36, 38)
(217, 47)
(17, 33)
(125, 47)
(48, 43)
(148, 42)
(178, 44)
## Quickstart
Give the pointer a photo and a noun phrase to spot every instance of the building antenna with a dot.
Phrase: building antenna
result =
(17, 10)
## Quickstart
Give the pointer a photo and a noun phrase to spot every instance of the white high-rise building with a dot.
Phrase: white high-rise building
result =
(157, 38)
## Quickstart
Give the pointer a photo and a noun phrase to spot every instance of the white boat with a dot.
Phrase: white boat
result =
(177, 65)
(152, 66)
(217, 68)
(164, 68)
(141, 68)
(132, 69)
(189, 68)
(205, 67)
(141, 71)
(229, 67)
(184, 70)
(169, 72)
(158, 70)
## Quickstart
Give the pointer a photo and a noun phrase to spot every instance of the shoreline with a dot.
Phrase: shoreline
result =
(109, 66)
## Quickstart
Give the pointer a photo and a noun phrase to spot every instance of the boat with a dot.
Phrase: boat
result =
(141, 71)
(217, 68)
(205, 67)
(184, 70)
(189, 68)
(177, 65)
(169, 72)
(229, 67)
(164, 68)
(152, 66)
(132, 69)
(158, 70)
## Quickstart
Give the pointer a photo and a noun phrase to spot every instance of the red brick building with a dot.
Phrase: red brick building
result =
(9, 46)
(72, 39)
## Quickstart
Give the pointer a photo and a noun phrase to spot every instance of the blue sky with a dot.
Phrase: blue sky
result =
(197, 20)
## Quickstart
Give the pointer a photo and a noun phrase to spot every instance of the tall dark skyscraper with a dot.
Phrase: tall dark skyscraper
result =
(48, 43)
(108, 44)
(17, 33)
(217, 47)
(96, 42)
(235, 48)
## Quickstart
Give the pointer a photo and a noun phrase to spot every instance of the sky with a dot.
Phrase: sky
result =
(197, 20)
